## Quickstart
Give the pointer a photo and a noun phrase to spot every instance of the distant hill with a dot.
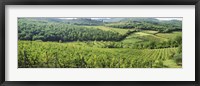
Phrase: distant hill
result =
(140, 19)
(77, 21)
(146, 24)
(101, 21)
(83, 21)
(113, 20)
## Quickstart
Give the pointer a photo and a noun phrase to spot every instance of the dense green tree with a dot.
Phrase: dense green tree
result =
(29, 29)
(149, 24)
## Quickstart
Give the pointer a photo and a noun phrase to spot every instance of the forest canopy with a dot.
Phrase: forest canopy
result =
(55, 29)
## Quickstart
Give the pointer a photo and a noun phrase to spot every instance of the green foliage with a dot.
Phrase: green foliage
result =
(87, 43)
(170, 64)
(178, 58)
(32, 54)
(84, 21)
(147, 39)
(118, 30)
(47, 31)
(148, 24)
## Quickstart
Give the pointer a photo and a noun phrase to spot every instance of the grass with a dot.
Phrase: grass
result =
(150, 32)
(171, 63)
(118, 30)
(169, 35)
(133, 38)
(143, 36)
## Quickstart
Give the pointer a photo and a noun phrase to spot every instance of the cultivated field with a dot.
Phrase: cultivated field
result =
(69, 44)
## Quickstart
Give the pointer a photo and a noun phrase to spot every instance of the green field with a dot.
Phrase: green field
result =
(86, 43)
(169, 35)
(73, 55)
(118, 30)
(95, 54)
(141, 37)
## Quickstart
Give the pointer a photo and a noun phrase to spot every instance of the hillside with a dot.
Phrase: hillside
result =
(99, 43)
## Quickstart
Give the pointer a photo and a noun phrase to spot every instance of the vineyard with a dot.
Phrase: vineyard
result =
(64, 55)
(86, 43)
